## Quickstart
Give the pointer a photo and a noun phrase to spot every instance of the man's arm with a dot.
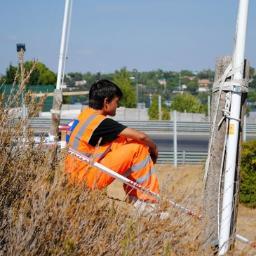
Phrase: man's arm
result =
(142, 138)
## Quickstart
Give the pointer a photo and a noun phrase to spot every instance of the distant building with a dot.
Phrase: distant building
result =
(162, 81)
(203, 85)
(189, 77)
(80, 83)
(63, 86)
(184, 87)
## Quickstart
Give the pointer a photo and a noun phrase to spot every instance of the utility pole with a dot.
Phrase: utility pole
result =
(223, 162)
(233, 130)
(21, 48)
(57, 98)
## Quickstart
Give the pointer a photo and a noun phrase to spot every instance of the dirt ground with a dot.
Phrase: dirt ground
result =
(184, 185)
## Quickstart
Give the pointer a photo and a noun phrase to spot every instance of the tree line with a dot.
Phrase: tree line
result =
(179, 90)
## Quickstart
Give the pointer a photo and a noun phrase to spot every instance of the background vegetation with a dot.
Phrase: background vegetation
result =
(248, 174)
(139, 86)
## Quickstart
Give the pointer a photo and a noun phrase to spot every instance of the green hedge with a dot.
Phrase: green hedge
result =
(248, 174)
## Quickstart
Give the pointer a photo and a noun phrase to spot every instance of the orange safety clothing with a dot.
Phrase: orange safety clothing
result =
(127, 157)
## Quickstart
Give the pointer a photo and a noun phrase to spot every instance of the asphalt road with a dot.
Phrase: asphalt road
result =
(184, 142)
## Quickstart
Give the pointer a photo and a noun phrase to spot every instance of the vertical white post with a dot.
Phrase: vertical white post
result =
(174, 138)
(244, 128)
(63, 44)
(209, 108)
(232, 142)
(150, 99)
(137, 95)
(159, 107)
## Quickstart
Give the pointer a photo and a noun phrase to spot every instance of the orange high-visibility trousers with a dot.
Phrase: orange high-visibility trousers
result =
(126, 157)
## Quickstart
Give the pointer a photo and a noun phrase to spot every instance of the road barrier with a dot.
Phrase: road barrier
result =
(183, 157)
(43, 125)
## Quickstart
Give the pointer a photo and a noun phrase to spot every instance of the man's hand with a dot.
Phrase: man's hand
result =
(142, 138)
(154, 154)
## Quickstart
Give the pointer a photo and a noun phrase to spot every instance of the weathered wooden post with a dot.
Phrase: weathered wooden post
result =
(214, 165)
(223, 163)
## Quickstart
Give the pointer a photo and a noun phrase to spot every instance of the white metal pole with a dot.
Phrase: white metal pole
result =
(63, 44)
(209, 108)
(67, 40)
(137, 95)
(174, 138)
(159, 107)
(232, 142)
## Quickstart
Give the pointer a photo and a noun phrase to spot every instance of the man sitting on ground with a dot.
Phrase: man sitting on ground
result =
(127, 151)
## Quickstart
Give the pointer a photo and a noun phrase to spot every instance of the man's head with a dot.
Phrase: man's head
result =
(105, 95)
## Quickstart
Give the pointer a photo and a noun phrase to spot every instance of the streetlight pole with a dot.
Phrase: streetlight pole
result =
(21, 48)
(57, 98)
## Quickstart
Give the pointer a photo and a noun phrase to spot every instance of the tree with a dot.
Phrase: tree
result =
(46, 76)
(153, 109)
(192, 86)
(40, 75)
(187, 103)
(186, 73)
(122, 79)
(253, 83)
(165, 113)
(206, 74)
(11, 72)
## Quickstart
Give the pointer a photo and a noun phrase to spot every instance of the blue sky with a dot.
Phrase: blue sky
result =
(109, 34)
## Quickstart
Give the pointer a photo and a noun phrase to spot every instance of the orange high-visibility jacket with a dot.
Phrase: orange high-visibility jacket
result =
(127, 157)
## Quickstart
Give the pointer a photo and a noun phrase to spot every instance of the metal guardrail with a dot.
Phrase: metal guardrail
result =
(183, 157)
(43, 124)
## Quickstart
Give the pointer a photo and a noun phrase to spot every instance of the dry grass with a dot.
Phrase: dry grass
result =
(41, 213)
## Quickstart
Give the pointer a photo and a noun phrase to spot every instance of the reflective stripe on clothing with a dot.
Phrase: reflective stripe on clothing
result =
(146, 176)
(81, 131)
(88, 121)
(140, 165)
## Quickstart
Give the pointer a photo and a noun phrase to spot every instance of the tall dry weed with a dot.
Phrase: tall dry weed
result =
(41, 213)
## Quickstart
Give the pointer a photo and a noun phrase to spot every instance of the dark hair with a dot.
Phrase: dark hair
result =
(102, 89)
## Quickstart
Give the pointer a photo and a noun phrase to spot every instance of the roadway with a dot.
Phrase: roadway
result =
(185, 142)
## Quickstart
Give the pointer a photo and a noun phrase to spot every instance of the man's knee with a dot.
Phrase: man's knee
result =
(139, 148)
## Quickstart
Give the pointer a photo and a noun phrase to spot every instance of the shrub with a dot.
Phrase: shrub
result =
(248, 174)
(41, 213)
